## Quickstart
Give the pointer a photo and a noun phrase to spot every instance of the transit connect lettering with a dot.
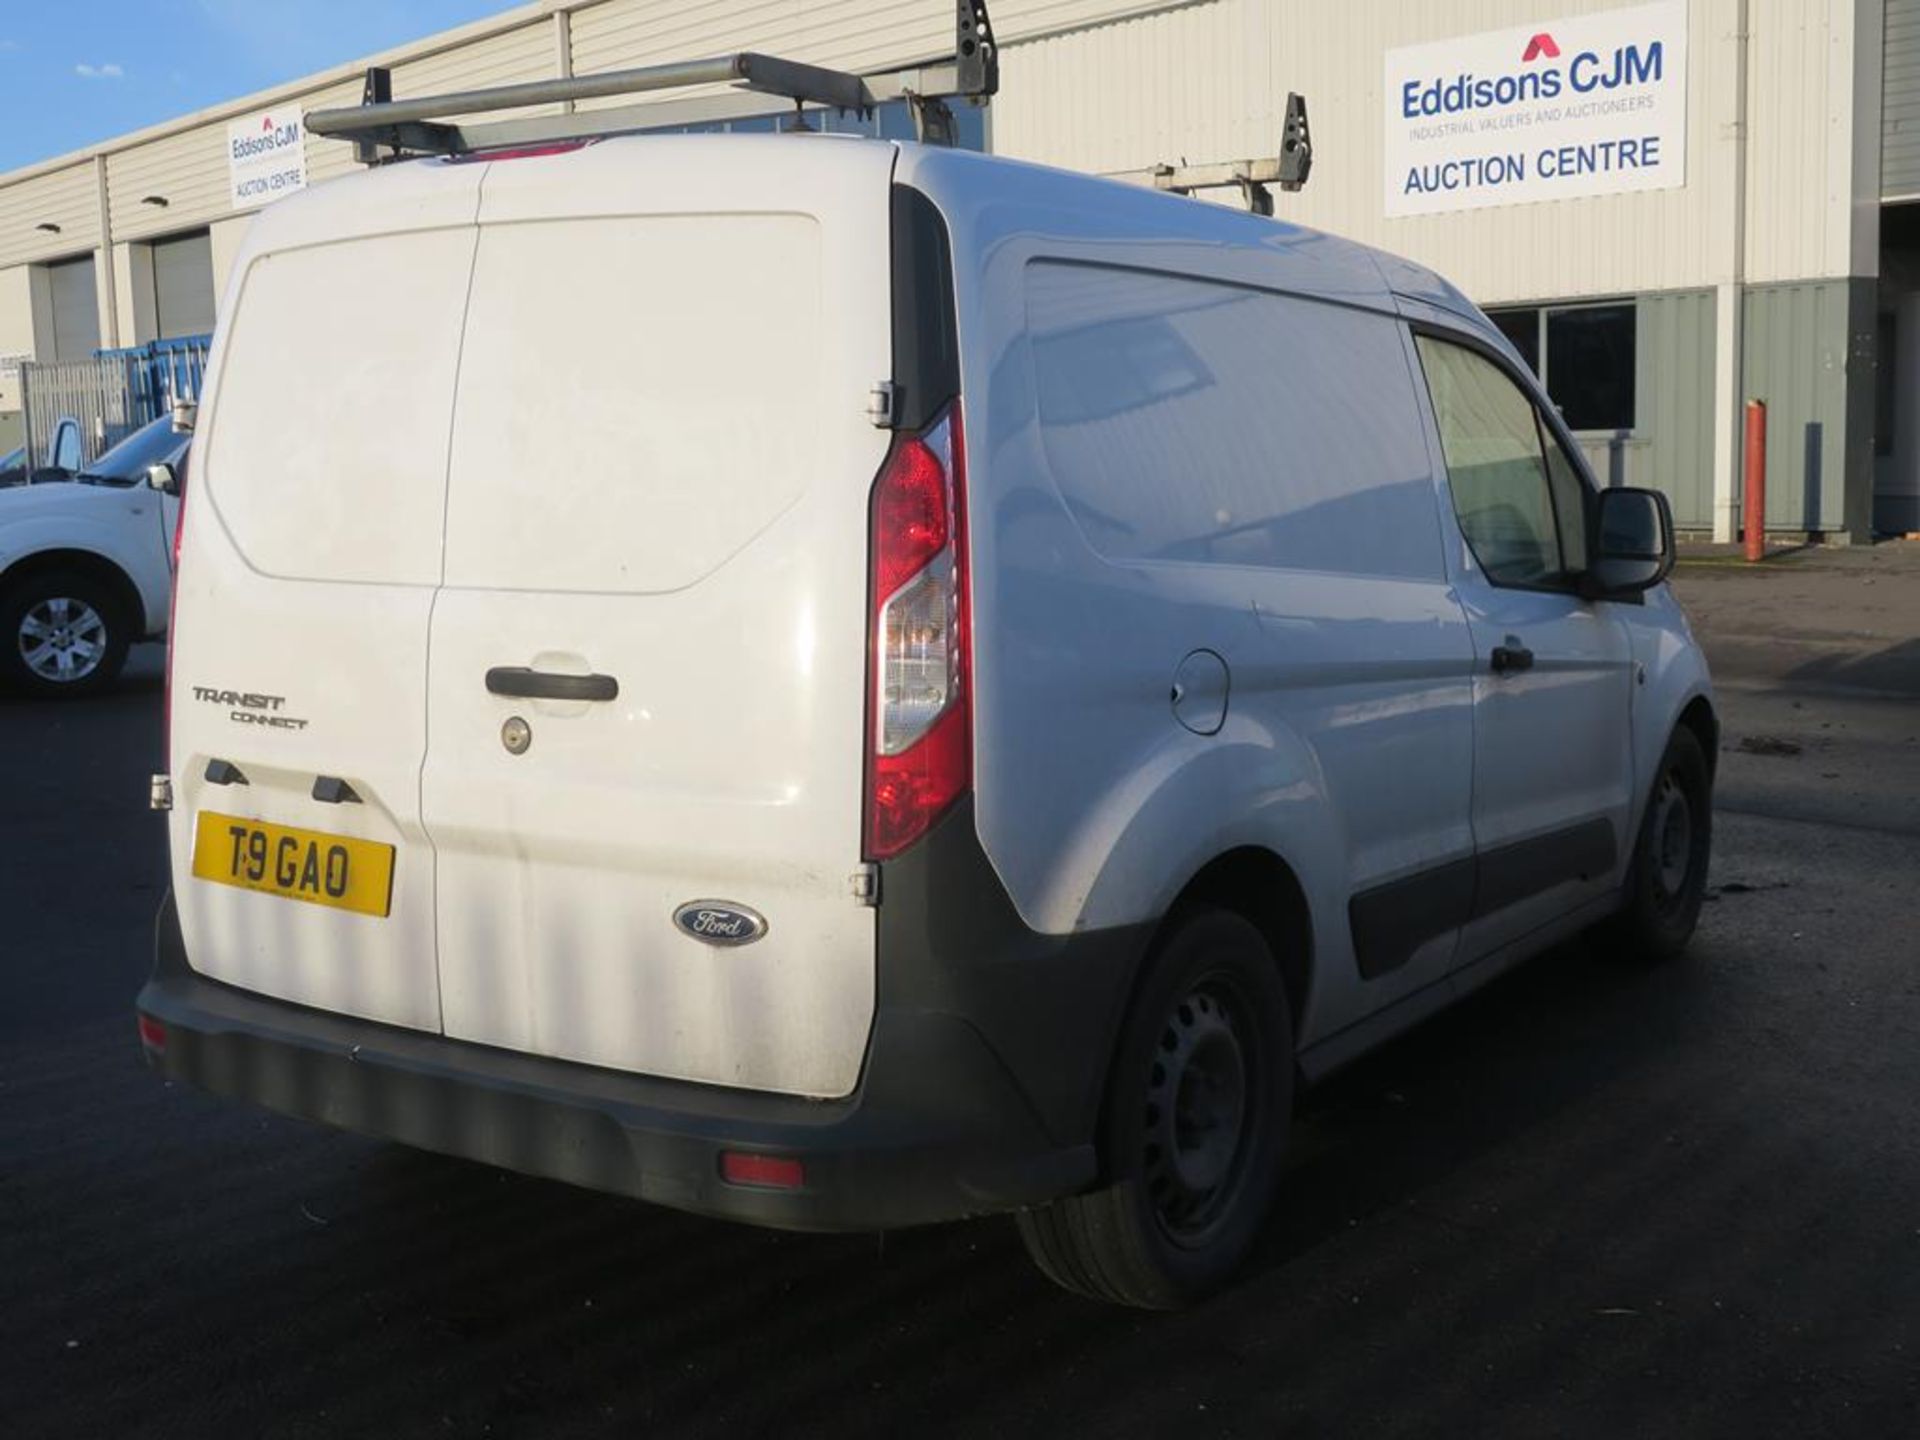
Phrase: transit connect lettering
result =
(247, 707)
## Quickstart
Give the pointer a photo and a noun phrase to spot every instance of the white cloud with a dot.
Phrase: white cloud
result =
(109, 71)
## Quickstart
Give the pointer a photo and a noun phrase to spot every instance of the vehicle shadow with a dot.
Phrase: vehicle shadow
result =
(561, 1303)
(1893, 669)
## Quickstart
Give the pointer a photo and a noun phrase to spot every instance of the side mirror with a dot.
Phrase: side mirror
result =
(1633, 547)
(161, 477)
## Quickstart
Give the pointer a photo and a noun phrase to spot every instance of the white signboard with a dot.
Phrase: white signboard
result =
(266, 156)
(1595, 105)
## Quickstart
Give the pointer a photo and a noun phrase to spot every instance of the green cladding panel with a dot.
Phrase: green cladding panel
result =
(1673, 388)
(1796, 341)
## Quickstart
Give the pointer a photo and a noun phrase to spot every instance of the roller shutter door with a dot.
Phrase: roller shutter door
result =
(183, 286)
(76, 309)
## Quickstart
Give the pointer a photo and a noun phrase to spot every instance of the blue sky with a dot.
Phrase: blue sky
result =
(76, 71)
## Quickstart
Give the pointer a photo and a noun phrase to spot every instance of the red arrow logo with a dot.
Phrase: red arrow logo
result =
(1541, 44)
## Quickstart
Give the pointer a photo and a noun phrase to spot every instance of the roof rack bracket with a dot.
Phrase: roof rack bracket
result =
(932, 120)
(383, 128)
(1289, 169)
(976, 58)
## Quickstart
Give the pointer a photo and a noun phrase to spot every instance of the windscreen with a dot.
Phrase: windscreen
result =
(154, 443)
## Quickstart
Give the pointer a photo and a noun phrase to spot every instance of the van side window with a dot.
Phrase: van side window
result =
(1519, 497)
(1194, 421)
(1570, 500)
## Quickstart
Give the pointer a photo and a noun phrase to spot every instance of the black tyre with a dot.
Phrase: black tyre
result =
(62, 633)
(1198, 1106)
(1668, 880)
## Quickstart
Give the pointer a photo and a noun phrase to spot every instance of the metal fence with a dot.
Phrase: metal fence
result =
(111, 395)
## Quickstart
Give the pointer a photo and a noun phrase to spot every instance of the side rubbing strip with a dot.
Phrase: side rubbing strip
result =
(1392, 921)
(1520, 871)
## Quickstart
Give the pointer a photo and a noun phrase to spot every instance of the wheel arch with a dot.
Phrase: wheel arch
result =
(1259, 886)
(108, 572)
(1699, 717)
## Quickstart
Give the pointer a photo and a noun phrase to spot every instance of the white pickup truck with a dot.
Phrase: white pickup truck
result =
(86, 564)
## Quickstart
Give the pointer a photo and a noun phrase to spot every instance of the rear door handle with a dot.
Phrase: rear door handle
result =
(1511, 658)
(520, 682)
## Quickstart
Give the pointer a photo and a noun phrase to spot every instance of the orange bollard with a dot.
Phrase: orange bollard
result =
(1753, 522)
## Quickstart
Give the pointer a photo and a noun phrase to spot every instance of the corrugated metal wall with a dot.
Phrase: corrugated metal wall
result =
(1796, 353)
(1209, 82)
(1900, 101)
(1673, 386)
(188, 171)
(850, 34)
(189, 167)
(67, 198)
(1203, 81)
(1800, 115)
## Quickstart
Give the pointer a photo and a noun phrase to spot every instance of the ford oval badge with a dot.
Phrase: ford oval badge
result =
(718, 922)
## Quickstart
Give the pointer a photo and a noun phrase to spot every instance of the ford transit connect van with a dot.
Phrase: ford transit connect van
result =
(842, 684)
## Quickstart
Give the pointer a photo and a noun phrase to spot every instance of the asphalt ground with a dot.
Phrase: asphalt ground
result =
(1596, 1199)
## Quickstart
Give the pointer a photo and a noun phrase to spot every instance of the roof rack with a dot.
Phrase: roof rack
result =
(385, 129)
(1289, 169)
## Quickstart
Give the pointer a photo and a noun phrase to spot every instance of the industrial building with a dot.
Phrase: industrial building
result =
(1671, 208)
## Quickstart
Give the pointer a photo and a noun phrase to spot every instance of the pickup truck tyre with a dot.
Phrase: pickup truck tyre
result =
(62, 634)
(1668, 878)
(1198, 1107)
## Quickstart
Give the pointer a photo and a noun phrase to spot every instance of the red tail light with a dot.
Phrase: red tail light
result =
(919, 657)
(173, 611)
(518, 152)
(770, 1172)
(153, 1034)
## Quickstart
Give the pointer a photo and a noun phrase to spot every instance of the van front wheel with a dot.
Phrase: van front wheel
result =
(1668, 878)
(1197, 1112)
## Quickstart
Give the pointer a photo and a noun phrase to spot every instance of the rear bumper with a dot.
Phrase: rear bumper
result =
(941, 1126)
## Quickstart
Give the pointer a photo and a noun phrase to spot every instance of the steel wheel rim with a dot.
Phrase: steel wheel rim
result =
(1200, 1112)
(1672, 838)
(62, 639)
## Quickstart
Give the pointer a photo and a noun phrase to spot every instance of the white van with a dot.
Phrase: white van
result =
(841, 684)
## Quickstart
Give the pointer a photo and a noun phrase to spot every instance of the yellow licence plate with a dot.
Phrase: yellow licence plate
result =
(305, 865)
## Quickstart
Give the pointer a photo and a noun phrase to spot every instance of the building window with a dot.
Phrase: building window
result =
(1583, 354)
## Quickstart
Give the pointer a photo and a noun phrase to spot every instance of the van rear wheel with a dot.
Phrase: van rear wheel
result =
(1199, 1102)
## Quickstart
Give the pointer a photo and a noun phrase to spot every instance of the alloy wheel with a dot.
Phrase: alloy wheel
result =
(62, 639)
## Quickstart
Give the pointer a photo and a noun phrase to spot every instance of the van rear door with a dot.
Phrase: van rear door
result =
(648, 657)
(310, 555)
